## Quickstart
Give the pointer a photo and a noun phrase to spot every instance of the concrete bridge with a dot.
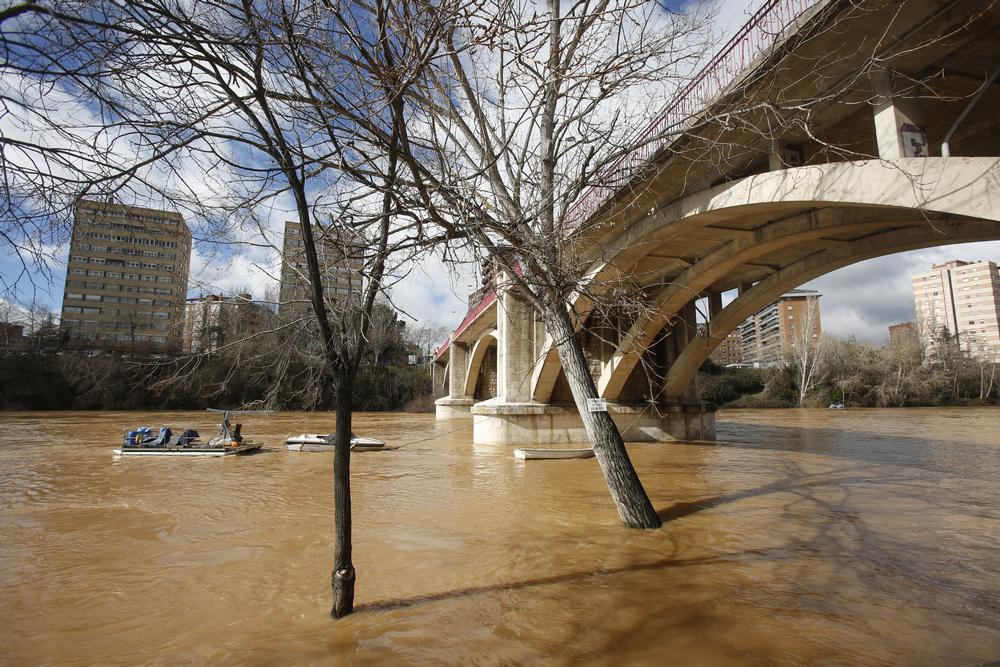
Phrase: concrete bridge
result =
(831, 132)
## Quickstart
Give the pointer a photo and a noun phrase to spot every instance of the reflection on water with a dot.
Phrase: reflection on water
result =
(803, 537)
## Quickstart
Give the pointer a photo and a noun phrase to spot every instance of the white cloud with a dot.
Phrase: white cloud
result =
(434, 293)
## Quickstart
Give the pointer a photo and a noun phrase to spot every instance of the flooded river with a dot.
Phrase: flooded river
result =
(815, 537)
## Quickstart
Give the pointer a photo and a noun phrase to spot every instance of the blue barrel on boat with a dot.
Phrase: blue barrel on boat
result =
(130, 438)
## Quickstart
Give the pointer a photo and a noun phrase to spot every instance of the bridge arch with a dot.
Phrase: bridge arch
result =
(797, 208)
(476, 357)
(694, 354)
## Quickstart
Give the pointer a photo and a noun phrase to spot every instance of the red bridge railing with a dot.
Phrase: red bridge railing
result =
(756, 36)
(470, 317)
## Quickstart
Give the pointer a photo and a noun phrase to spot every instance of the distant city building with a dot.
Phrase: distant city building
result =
(339, 271)
(963, 300)
(767, 337)
(730, 351)
(126, 279)
(214, 320)
(903, 333)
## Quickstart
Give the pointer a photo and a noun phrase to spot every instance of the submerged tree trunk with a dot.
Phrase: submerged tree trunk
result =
(627, 491)
(342, 577)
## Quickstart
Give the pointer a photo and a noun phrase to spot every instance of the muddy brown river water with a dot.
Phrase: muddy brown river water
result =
(804, 537)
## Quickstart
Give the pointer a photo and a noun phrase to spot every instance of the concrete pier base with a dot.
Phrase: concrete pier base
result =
(453, 408)
(537, 424)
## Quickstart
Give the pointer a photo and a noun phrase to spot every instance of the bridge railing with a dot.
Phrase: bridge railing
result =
(757, 35)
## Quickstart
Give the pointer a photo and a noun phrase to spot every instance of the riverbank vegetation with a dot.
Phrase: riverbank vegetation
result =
(264, 370)
(904, 374)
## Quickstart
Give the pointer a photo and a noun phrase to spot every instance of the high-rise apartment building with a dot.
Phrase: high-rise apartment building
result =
(126, 279)
(213, 320)
(780, 327)
(730, 351)
(339, 266)
(962, 299)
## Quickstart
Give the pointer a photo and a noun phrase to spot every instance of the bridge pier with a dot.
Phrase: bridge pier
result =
(536, 424)
(456, 404)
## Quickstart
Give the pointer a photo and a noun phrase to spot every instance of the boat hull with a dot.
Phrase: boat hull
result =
(308, 442)
(327, 447)
(205, 452)
(540, 454)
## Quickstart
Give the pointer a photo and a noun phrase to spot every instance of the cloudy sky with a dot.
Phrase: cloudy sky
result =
(861, 300)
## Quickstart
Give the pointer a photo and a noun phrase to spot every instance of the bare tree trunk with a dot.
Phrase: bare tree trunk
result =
(626, 489)
(342, 577)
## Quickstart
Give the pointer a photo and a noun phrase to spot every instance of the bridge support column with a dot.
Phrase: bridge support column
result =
(899, 122)
(515, 363)
(515, 348)
(455, 404)
(685, 329)
(439, 378)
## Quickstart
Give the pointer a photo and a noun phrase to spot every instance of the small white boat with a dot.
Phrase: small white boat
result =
(526, 454)
(314, 442)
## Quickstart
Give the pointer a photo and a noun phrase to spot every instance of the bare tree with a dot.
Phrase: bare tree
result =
(807, 350)
(273, 104)
(523, 110)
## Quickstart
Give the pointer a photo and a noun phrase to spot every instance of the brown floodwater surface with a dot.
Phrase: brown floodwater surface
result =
(803, 537)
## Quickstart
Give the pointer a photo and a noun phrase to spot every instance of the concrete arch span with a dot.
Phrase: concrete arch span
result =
(796, 207)
(698, 349)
